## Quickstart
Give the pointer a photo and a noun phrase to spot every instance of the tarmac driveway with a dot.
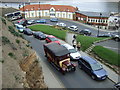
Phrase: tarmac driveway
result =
(110, 44)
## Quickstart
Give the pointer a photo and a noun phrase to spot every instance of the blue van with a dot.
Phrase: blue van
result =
(92, 67)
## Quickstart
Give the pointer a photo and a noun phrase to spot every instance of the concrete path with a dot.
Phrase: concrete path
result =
(111, 74)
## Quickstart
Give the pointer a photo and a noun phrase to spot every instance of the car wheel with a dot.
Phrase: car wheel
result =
(116, 39)
(93, 77)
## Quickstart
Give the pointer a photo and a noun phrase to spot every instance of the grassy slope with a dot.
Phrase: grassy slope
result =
(107, 55)
(86, 41)
(49, 30)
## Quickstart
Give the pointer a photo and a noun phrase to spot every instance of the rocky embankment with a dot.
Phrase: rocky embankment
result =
(20, 66)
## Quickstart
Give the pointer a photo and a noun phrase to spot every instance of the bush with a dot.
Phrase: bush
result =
(17, 41)
(3, 20)
(5, 40)
(2, 61)
(12, 55)
(12, 30)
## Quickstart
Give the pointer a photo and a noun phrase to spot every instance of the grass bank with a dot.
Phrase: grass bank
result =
(108, 55)
(49, 30)
(86, 41)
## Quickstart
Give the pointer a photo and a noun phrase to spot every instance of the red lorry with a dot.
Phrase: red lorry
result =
(59, 57)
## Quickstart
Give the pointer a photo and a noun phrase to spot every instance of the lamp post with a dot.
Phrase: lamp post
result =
(99, 23)
(39, 9)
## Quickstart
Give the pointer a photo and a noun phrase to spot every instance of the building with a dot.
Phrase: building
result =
(48, 10)
(95, 19)
(114, 21)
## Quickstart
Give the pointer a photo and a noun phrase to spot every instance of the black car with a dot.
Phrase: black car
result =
(85, 32)
(92, 67)
(39, 35)
(27, 31)
(116, 36)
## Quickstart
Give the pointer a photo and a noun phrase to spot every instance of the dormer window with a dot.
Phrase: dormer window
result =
(52, 10)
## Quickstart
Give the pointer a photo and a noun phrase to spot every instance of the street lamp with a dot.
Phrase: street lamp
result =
(99, 23)
(39, 9)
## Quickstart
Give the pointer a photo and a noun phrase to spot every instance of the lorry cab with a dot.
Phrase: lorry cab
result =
(59, 57)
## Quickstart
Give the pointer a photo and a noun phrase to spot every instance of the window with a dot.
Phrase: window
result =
(52, 14)
(69, 15)
(45, 13)
(32, 14)
(63, 15)
(52, 10)
(58, 14)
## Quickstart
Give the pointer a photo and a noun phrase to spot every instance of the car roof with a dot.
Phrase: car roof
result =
(89, 59)
(68, 46)
(86, 30)
(73, 26)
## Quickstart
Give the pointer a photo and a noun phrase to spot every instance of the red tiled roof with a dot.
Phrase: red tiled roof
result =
(48, 6)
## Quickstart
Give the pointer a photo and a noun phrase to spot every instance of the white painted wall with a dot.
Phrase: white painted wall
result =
(46, 13)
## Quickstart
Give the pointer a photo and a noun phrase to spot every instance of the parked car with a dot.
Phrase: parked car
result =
(20, 21)
(28, 31)
(92, 67)
(20, 27)
(29, 22)
(85, 32)
(39, 35)
(54, 19)
(73, 28)
(41, 21)
(74, 54)
(116, 36)
(61, 24)
(51, 38)
(104, 35)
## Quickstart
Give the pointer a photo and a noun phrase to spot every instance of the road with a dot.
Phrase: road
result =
(110, 44)
(80, 27)
(77, 79)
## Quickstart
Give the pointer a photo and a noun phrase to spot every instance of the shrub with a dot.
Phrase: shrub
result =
(12, 30)
(17, 41)
(3, 20)
(12, 55)
(2, 61)
(5, 40)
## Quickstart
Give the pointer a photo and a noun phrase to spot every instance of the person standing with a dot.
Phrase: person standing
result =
(74, 44)
(78, 46)
(74, 36)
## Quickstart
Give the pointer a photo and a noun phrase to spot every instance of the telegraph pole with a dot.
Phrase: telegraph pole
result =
(99, 23)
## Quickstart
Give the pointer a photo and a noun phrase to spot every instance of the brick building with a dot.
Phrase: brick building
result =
(95, 19)
(48, 10)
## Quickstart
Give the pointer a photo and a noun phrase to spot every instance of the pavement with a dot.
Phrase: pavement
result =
(111, 74)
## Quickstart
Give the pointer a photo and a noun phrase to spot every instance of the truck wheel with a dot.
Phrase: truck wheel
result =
(74, 69)
(63, 73)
